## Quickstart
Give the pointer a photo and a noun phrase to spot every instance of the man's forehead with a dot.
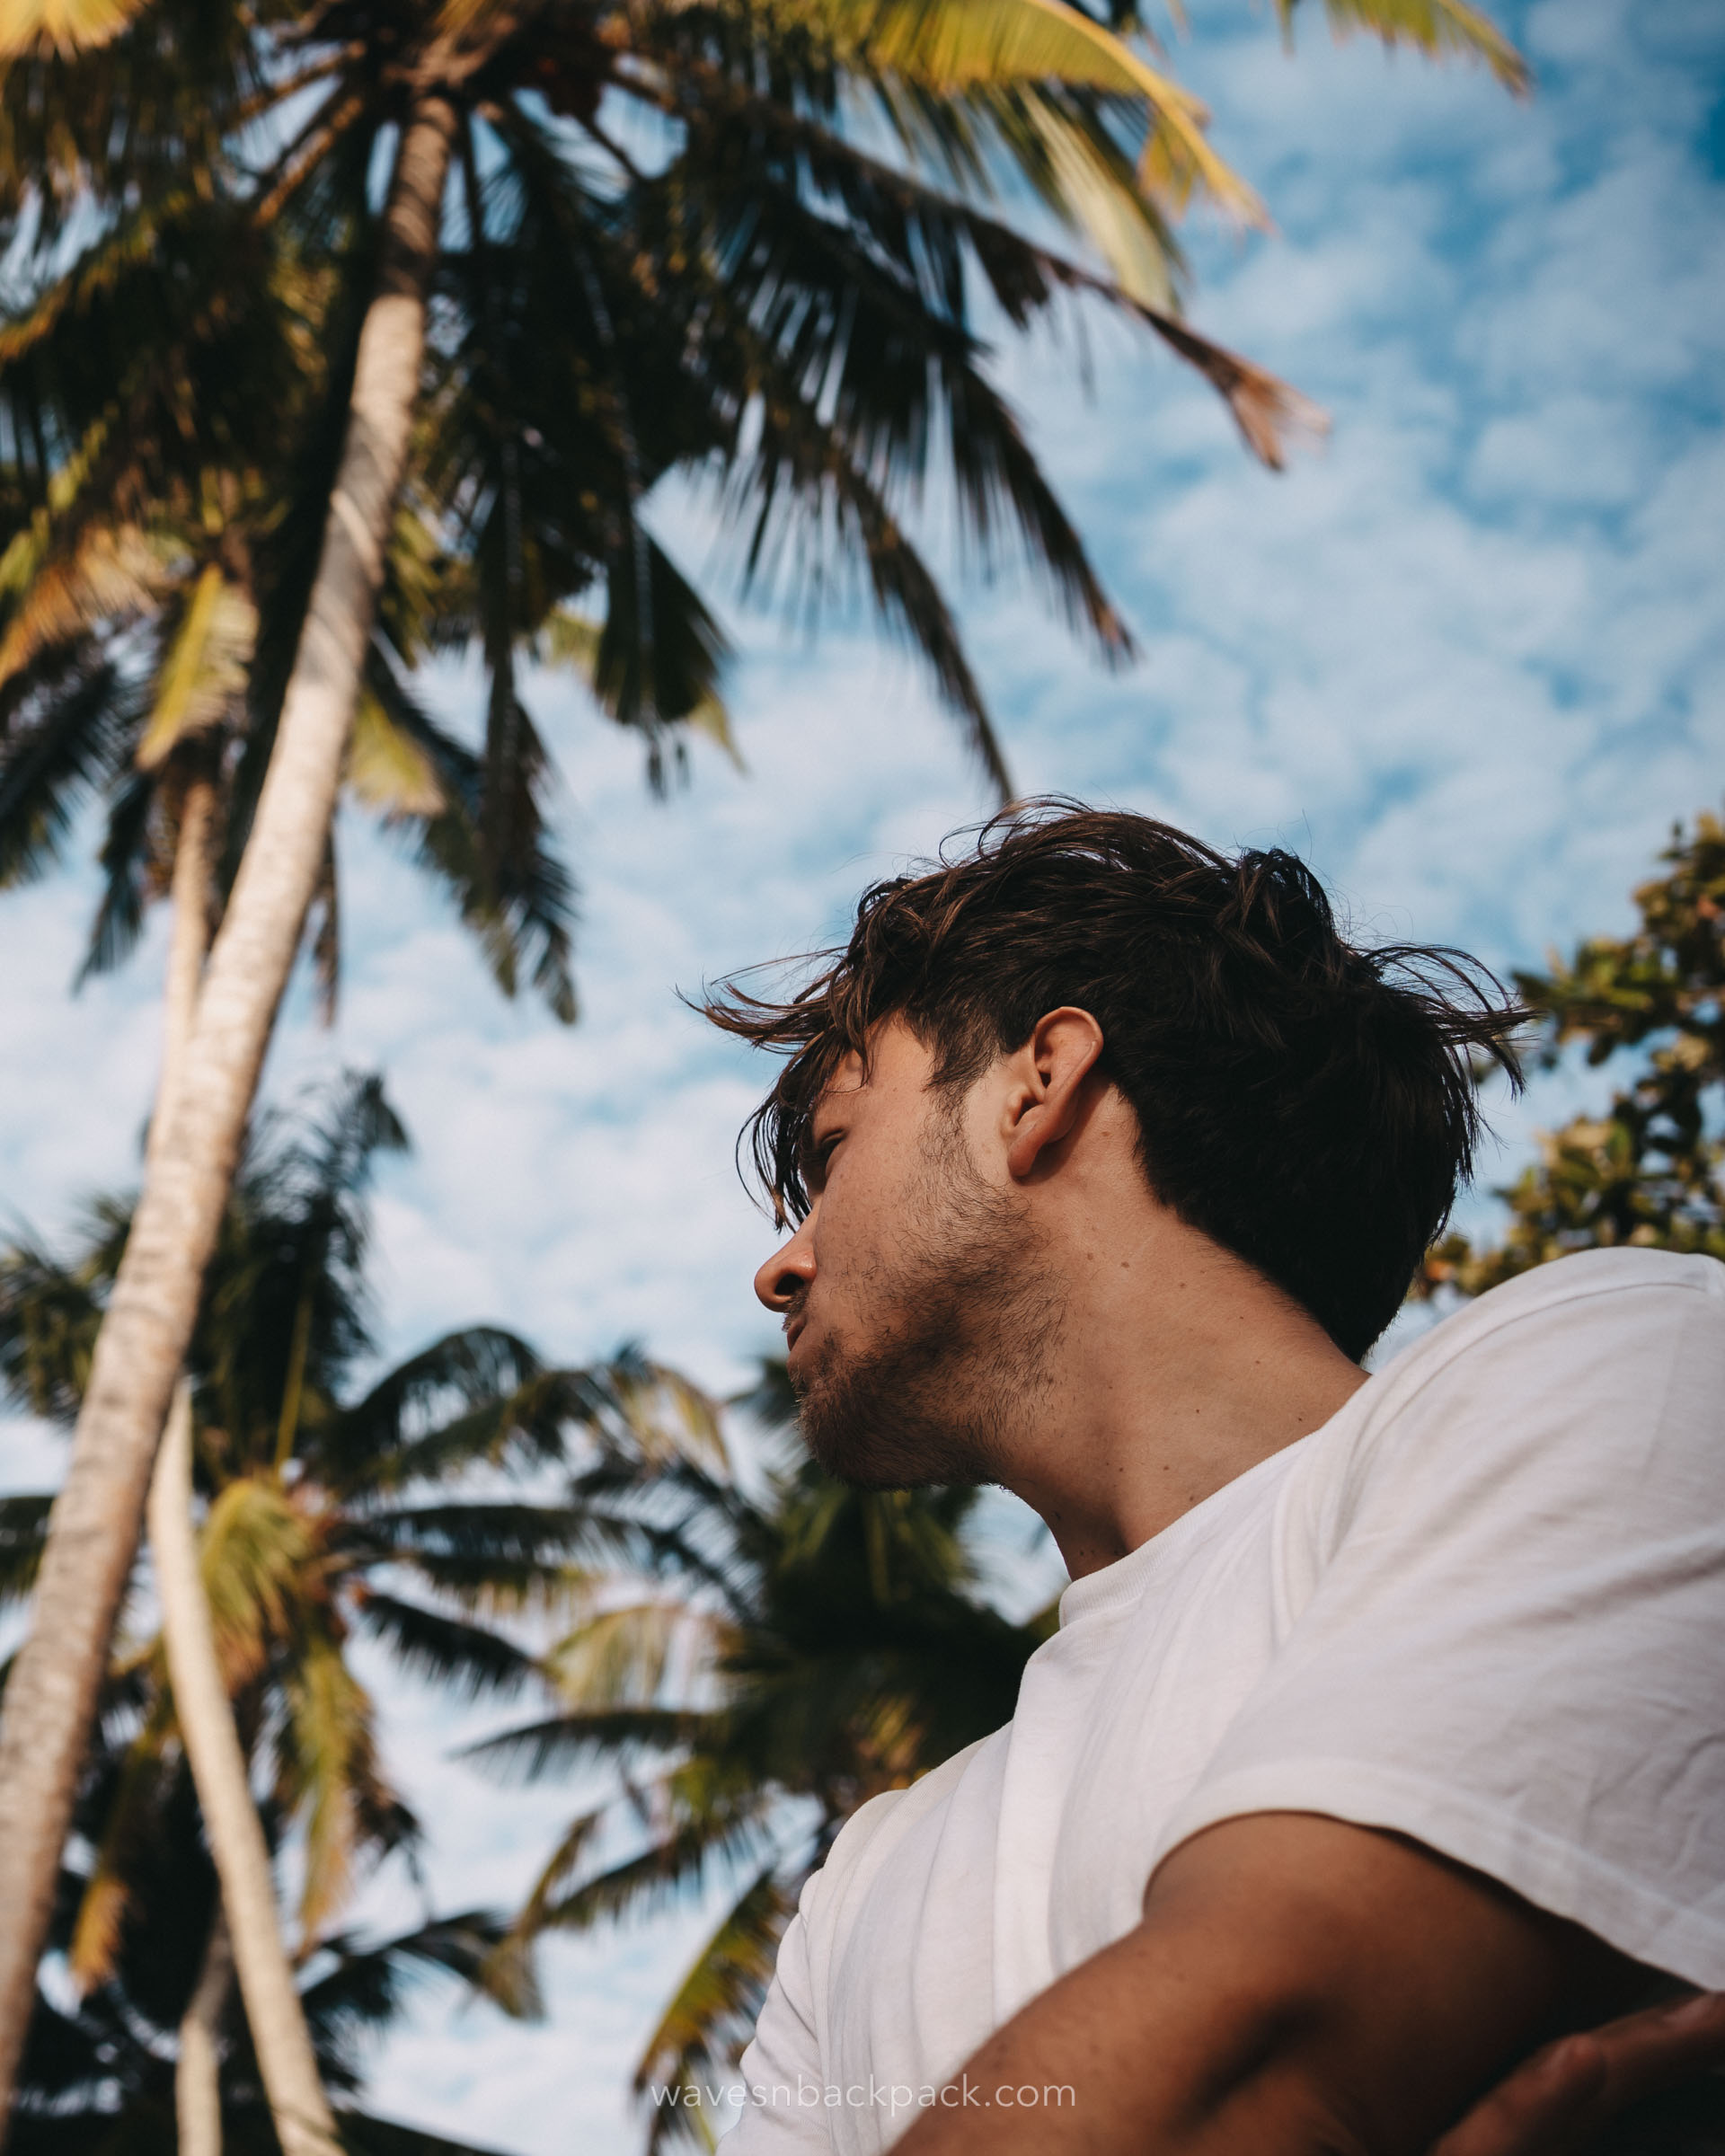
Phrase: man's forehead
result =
(894, 1055)
(850, 1075)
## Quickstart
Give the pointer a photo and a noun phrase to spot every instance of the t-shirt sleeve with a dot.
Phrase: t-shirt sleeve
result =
(1512, 1644)
(781, 2113)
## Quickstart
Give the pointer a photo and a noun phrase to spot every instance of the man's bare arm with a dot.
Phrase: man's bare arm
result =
(1297, 1987)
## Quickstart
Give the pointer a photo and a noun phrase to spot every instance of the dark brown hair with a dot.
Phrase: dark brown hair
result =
(1307, 1104)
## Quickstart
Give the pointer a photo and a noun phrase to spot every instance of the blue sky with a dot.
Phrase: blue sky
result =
(1469, 659)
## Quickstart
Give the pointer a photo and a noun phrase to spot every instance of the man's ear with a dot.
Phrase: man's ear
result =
(1048, 1088)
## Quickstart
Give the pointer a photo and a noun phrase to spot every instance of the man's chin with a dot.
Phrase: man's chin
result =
(839, 1401)
(860, 1459)
(835, 1437)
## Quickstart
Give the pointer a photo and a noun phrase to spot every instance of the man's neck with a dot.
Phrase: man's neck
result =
(1177, 1368)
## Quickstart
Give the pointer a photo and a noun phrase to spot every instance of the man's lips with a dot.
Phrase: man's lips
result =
(793, 1331)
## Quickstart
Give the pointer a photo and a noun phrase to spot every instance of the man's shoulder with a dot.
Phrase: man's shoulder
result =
(1570, 1367)
(1627, 1289)
(867, 1836)
(1604, 1272)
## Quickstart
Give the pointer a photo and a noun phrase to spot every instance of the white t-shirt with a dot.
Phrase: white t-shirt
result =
(1484, 1606)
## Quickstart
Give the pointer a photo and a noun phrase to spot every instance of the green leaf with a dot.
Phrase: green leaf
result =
(469, 1660)
(388, 769)
(713, 2012)
(204, 668)
(959, 45)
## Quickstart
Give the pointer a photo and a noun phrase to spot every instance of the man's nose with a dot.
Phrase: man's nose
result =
(787, 1271)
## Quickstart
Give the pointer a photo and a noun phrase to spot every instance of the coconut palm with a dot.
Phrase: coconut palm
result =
(98, 2074)
(127, 663)
(152, 581)
(505, 520)
(817, 295)
(755, 1665)
(331, 1515)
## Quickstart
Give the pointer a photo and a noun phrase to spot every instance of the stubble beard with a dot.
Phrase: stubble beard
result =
(959, 1372)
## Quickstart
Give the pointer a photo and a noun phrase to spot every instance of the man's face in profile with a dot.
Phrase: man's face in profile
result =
(916, 1318)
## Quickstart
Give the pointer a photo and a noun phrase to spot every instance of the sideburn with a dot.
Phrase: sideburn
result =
(958, 1380)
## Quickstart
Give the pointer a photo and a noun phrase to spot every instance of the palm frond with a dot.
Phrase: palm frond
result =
(566, 1741)
(112, 576)
(714, 2009)
(625, 1655)
(815, 507)
(366, 1987)
(63, 25)
(133, 1814)
(469, 1660)
(49, 1318)
(23, 1527)
(131, 873)
(388, 770)
(329, 1774)
(857, 349)
(1437, 27)
(400, 1431)
(483, 1531)
(985, 46)
(671, 1421)
(1068, 149)
(70, 735)
(726, 1830)
(204, 665)
(523, 918)
(653, 665)
(564, 1861)
(357, 1123)
(254, 1555)
(1267, 410)
(323, 934)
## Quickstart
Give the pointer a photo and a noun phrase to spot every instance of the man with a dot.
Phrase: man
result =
(1382, 1740)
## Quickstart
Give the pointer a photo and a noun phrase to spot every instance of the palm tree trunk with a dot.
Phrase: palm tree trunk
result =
(187, 950)
(93, 1534)
(197, 2076)
(304, 2123)
(279, 2033)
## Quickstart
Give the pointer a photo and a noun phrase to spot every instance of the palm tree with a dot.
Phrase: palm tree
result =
(814, 298)
(150, 596)
(756, 1664)
(320, 1507)
(98, 2074)
(245, 1936)
(125, 663)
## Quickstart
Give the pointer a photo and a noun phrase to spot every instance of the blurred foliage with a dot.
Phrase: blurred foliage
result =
(1646, 1170)
(98, 2072)
(413, 1510)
